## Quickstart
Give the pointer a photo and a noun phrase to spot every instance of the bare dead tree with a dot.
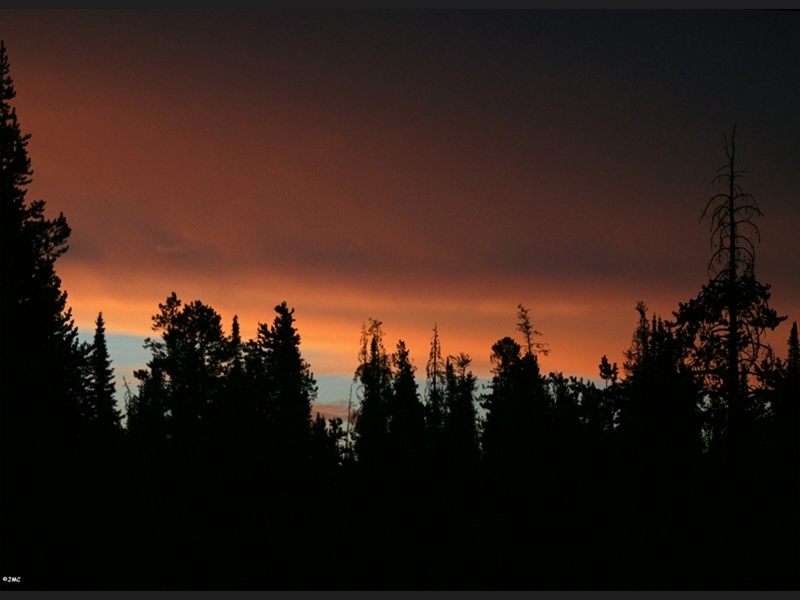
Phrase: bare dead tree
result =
(725, 324)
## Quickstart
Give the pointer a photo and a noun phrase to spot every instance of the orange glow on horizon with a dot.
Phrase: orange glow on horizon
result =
(354, 186)
(329, 317)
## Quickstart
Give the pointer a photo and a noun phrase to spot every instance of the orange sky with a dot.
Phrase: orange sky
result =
(414, 168)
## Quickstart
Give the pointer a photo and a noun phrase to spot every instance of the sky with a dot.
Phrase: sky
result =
(419, 168)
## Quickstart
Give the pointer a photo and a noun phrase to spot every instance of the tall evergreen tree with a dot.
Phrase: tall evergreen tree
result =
(782, 380)
(40, 354)
(188, 364)
(375, 378)
(517, 409)
(42, 363)
(460, 424)
(434, 391)
(102, 404)
(659, 416)
(406, 412)
(236, 366)
(788, 410)
(793, 357)
(292, 387)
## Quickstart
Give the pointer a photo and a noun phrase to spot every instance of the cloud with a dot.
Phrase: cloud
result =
(175, 249)
(420, 182)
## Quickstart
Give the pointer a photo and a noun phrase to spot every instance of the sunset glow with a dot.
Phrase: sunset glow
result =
(416, 171)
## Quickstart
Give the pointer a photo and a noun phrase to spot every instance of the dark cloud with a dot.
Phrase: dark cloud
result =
(404, 155)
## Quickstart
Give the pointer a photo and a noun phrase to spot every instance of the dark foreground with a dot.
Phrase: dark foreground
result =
(601, 524)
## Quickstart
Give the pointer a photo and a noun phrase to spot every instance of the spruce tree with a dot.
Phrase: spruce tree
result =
(460, 424)
(42, 364)
(517, 409)
(434, 392)
(188, 365)
(102, 404)
(292, 386)
(40, 357)
(406, 412)
(659, 416)
(374, 375)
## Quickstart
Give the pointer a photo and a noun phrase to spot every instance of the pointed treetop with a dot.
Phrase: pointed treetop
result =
(7, 88)
(103, 405)
(435, 367)
(608, 373)
(794, 350)
(236, 338)
(525, 327)
(16, 165)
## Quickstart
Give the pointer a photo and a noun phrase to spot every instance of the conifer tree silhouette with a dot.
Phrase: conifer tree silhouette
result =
(608, 372)
(375, 378)
(292, 387)
(659, 415)
(103, 405)
(460, 423)
(40, 354)
(42, 383)
(187, 364)
(782, 383)
(434, 392)
(326, 442)
(236, 366)
(517, 418)
(726, 323)
(406, 413)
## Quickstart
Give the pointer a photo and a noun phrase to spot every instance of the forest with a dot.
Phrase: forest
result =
(680, 471)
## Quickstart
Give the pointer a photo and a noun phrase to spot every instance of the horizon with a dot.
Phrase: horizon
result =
(419, 168)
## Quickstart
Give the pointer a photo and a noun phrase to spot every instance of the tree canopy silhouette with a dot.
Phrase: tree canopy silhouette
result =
(291, 386)
(102, 405)
(434, 393)
(406, 412)
(219, 473)
(726, 322)
(375, 390)
(43, 366)
(517, 408)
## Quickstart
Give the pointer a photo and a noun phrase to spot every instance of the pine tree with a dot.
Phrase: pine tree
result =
(188, 363)
(42, 363)
(40, 357)
(234, 401)
(434, 391)
(375, 378)
(785, 403)
(608, 373)
(236, 367)
(292, 387)
(517, 409)
(102, 404)
(659, 416)
(460, 425)
(793, 358)
(406, 412)
(525, 327)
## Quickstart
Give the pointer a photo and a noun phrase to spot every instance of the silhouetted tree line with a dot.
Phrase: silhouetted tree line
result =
(681, 470)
